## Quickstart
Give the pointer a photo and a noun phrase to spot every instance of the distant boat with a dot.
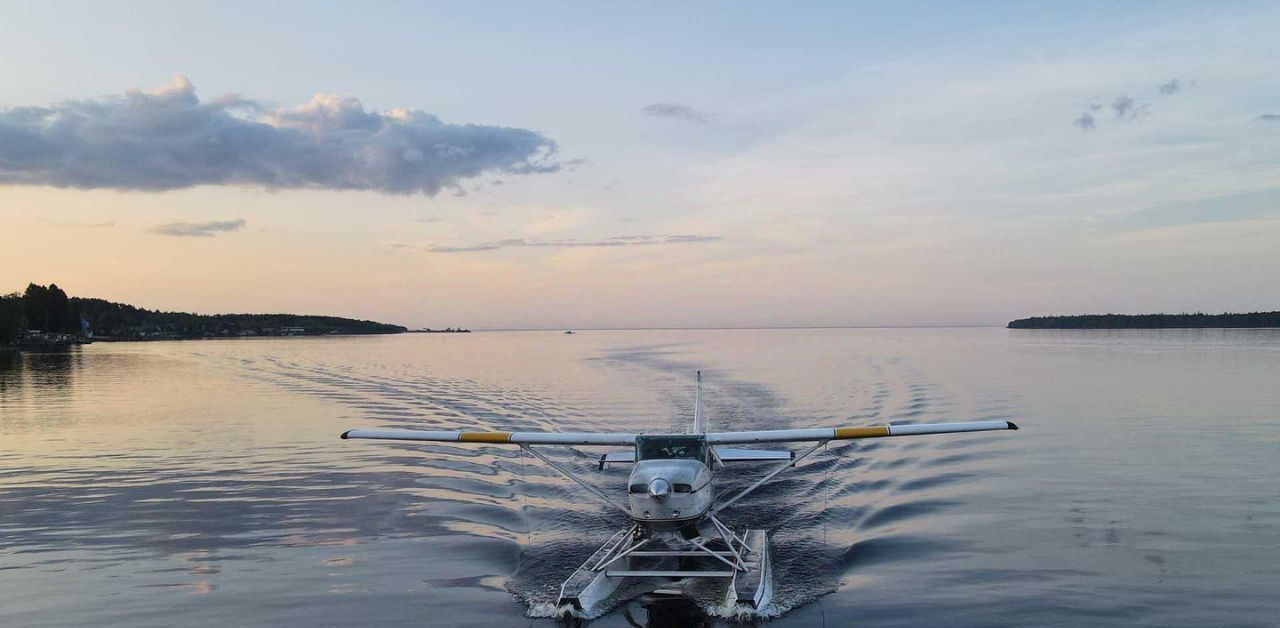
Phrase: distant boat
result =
(569, 333)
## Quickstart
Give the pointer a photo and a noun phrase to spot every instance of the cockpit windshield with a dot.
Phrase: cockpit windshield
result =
(683, 446)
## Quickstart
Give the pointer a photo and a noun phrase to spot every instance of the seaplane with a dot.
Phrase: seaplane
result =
(676, 534)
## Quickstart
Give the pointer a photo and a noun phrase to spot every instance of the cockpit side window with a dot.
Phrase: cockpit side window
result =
(683, 488)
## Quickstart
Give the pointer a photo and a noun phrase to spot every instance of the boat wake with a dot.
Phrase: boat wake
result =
(851, 505)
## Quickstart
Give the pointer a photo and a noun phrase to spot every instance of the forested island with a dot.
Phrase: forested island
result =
(1149, 321)
(45, 315)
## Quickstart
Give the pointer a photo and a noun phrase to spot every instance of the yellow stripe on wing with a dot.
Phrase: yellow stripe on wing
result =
(862, 432)
(485, 437)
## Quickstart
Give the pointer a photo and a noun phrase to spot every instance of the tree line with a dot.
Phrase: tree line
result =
(42, 308)
(1149, 321)
(48, 309)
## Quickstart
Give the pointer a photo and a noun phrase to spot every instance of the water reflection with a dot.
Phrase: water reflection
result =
(52, 371)
(10, 373)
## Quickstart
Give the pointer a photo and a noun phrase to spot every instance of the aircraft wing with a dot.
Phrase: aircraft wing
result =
(713, 438)
(513, 438)
(846, 433)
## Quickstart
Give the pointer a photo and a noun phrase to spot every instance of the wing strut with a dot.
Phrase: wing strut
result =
(698, 427)
(772, 474)
(590, 489)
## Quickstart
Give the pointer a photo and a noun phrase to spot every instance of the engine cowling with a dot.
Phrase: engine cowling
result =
(669, 493)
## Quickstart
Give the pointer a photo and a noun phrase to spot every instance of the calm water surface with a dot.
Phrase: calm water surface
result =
(203, 483)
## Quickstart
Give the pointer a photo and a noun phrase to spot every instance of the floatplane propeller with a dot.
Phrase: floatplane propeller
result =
(675, 532)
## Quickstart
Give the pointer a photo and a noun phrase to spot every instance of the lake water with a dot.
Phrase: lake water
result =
(203, 483)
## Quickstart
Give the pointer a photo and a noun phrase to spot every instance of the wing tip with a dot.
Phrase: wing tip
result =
(1012, 425)
(346, 434)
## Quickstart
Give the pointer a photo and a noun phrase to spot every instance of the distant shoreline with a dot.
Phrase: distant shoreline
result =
(45, 317)
(1251, 320)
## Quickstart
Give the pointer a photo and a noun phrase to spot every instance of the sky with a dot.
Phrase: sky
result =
(584, 165)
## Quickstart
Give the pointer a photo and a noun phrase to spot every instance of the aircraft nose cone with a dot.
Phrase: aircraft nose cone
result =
(659, 488)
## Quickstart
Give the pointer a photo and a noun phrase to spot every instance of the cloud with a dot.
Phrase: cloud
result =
(167, 139)
(198, 229)
(1127, 108)
(1268, 117)
(640, 240)
(1123, 106)
(676, 110)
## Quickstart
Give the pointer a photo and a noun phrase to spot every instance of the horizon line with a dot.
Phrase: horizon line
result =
(743, 328)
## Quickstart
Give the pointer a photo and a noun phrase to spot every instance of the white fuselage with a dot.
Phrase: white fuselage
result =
(666, 494)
